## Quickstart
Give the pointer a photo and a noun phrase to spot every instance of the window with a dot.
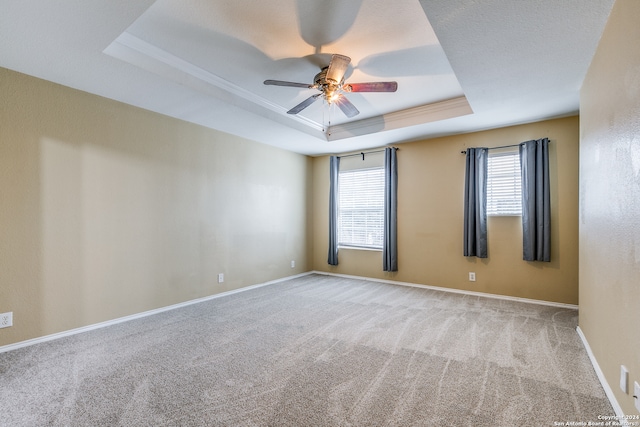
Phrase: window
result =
(361, 208)
(503, 184)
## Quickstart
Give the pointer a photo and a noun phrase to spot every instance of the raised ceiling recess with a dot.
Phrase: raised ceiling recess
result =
(228, 49)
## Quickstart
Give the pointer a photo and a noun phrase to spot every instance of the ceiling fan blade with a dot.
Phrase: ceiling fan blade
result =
(372, 87)
(337, 68)
(304, 104)
(290, 84)
(346, 106)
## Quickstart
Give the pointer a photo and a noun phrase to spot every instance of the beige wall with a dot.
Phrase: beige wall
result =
(430, 214)
(108, 210)
(610, 200)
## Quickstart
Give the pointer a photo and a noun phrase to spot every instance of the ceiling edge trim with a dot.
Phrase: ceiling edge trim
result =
(436, 111)
(131, 42)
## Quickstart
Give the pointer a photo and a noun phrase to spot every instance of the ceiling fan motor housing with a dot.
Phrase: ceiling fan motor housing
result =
(321, 77)
(329, 88)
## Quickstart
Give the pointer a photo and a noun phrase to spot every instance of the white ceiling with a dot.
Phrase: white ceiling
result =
(461, 65)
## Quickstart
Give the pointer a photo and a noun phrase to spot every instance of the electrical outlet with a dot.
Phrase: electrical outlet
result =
(6, 319)
(472, 277)
(293, 264)
(624, 379)
(636, 395)
(220, 277)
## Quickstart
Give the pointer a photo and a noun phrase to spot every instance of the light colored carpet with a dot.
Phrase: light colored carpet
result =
(313, 351)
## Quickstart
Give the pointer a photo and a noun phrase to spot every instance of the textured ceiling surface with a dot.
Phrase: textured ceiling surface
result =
(461, 66)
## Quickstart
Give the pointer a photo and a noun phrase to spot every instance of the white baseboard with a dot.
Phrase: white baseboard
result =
(82, 329)
(455, 291)
(605, 385)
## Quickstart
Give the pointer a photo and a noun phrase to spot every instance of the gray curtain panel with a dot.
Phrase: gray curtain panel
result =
(390, 243)
(334, 167)
(536, 206)
(475, 203)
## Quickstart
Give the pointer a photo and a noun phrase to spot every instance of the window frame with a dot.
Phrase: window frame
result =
(504, 183)
(354, 244)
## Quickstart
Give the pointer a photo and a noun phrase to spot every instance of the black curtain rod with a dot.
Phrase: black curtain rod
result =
(362, 153)
(495, 148)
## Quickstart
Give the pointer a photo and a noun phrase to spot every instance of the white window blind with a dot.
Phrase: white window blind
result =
(503, 184)
(361, 208)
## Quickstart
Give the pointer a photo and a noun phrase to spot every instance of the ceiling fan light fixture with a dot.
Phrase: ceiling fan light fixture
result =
(330, 82)
(331, 96)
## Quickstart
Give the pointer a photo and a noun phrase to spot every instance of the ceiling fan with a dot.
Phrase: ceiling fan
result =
(330, 82)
